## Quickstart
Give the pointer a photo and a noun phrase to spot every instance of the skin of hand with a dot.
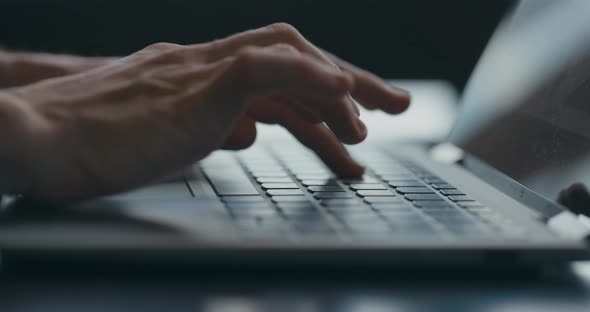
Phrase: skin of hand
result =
(22, 68)
(160, 109)
(576, 198)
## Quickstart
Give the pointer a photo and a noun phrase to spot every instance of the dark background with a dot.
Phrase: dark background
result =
(395, 39)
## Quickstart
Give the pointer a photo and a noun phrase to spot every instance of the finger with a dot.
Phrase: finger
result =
(356, 108)
(299, 108)
(263, 72)
(243, 134)
(317, 137)
(372, 92)
(576, 198)
(299, 104)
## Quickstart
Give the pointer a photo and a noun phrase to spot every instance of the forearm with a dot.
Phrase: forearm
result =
(21, 68)
(15, 134)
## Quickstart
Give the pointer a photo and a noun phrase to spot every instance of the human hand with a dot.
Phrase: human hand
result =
(141, 117)
(576, 198)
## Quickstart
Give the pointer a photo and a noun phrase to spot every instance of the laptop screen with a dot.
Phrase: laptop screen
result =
(526, 108)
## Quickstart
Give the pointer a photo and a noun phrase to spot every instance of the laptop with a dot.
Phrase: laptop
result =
(486, 194)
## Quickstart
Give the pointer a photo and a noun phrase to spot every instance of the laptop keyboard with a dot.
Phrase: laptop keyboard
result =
(289, 193)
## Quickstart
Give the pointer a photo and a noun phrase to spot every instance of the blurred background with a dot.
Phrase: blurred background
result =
(395, 39)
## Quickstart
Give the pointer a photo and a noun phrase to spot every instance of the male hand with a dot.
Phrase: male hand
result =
(576, 198)
(154, 112)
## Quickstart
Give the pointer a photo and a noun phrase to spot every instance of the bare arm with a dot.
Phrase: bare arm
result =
(22, 68)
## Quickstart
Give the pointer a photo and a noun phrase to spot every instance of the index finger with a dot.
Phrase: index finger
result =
(316, 136)
(371, 91)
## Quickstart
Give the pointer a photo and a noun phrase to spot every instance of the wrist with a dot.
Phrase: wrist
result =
(21, 68)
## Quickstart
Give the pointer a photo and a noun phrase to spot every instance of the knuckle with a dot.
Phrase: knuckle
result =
(245, 61)
(161, 47)
(213, 49)
(285, 30)
(159, 53)
(285, 47)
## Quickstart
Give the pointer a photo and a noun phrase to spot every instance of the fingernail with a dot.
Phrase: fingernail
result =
(361, 129)
(354, 105)
(400, 91)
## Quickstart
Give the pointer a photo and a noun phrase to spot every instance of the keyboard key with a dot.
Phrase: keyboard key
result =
(285, 192)
(297, 213)
(289, 199)
(442, 186)
(398, 177)
(338, 202)
(269, 172)
(381, 199)
(398, 206)
(295, 205)
(230, 180)
(321, 195)
(432, 204)
(269, 215)
(273, 180)
(413, 183)
(325, 188)
(254, 212)
(262, 167)
(460, 198)
(247, 205)
(267, 186)
(325, 176)
(350, 209)
(311, 170)
(446, 213)
(434, 181)
(367, 186)
(242, 199)
(451, 192)
(365, 193)
(364, 179)
(387, 170)
(427, 197)
(414, 190)
(470, 204)
(320, 182)
(172, 190)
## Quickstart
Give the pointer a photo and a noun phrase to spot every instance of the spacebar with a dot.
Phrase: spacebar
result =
(229, 181)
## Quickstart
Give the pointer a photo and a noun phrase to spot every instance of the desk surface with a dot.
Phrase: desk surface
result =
(352, 291)
(154, 290)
